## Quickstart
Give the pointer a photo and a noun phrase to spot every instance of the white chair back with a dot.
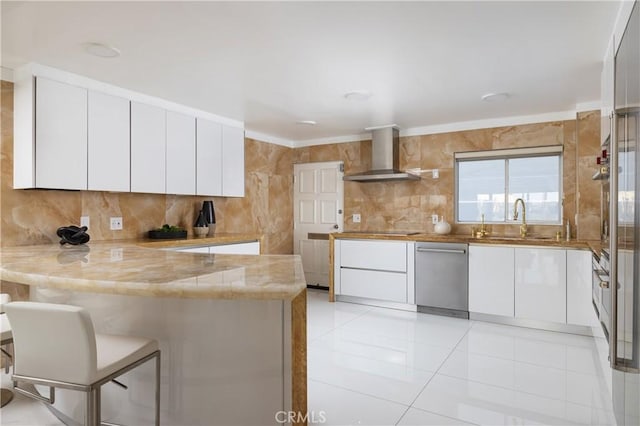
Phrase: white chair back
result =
(4, 299)
(54, 342)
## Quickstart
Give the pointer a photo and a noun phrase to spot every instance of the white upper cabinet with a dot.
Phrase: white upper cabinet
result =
(181, 154)
(148, 148)
(491, 277)
(541, 284)
(108, 143)
(60, 136)
(208, 158)
(72, 132)
(232, 161)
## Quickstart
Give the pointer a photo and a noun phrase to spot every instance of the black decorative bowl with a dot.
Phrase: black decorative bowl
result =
(167, 235)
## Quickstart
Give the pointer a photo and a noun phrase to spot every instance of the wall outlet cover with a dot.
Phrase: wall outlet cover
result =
(356, 218)
(84, 221)
(434, 218)
(435, 173)
(116, 223)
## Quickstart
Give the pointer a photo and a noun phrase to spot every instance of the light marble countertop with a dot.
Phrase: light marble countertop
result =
(141, 268)
(496, 240)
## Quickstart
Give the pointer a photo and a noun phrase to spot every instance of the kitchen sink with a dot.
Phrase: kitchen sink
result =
(516, 238)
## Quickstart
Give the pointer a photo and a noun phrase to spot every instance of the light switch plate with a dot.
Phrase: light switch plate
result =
(435, 173)
(356, 218)
(116, 223)
(84, 221)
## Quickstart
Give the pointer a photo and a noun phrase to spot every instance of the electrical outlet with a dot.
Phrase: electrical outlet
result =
(356, 218)
(435, 173)
(84, 221)
(434, 218)
(116, 223)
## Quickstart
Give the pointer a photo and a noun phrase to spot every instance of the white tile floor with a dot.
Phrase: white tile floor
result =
(378, 366)
(385, 367)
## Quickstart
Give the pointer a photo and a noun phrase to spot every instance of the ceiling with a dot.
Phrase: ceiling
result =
(271, 64)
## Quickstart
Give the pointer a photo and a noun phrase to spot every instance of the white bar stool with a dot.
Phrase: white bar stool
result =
(56, 346)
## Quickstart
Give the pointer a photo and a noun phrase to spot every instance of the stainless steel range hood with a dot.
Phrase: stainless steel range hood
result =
(385, 153)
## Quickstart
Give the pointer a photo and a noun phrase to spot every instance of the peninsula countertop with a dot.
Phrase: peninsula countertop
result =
(134, 267)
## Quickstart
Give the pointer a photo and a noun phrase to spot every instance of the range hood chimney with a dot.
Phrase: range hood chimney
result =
(385, 161)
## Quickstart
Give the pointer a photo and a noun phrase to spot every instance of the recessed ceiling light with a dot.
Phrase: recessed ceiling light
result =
(495, 97)
(306, 122)
(357, 95)
(101, 50)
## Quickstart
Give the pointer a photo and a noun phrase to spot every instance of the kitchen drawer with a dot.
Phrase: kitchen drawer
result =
(389, 286)
(378, 255)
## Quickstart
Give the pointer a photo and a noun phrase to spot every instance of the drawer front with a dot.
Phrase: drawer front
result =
(379, 255)
(389, 286)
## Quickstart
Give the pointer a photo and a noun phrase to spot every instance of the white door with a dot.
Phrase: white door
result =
(318, 203)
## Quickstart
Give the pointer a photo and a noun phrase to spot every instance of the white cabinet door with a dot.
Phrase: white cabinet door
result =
(108, 143)
(579, 289)
(232, 161)
(181, 154)
(148, 148)
(61, 135)
(208, 158)
(541, 284)
(389, 286)
(240, 248)
(371, 254)
(491, 280)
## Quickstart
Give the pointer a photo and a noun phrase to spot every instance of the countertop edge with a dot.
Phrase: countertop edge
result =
(509, 241)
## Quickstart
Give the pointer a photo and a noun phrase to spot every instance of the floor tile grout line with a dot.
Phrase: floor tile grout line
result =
(443, 363)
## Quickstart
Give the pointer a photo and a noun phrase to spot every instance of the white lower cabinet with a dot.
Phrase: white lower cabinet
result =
(579, 289)
(491, 275)
(532, 283)
(541, 284)
(239, 248)
(234, 248)
(374, 269)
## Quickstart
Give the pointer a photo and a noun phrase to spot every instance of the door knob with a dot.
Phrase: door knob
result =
(336, 226)
(604, 284)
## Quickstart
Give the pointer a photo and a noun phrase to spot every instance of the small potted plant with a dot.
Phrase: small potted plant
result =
(168, 232)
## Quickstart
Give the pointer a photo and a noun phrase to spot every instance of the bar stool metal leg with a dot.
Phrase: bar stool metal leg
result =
(158, 388)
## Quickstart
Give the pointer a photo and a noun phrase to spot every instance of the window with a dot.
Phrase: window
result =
(490, 182)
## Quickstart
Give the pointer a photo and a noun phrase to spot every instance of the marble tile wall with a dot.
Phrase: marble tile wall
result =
(409, 205)
(32, 216)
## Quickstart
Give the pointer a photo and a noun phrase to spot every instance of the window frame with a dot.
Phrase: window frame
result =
(506, 154)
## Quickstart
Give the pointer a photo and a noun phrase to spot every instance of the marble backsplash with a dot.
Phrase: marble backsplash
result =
(408, 205)
(32, 216)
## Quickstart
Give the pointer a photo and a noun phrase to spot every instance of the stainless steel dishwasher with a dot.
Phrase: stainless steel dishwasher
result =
(442, 285)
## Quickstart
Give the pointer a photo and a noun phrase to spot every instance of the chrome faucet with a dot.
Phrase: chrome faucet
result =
(523, 227)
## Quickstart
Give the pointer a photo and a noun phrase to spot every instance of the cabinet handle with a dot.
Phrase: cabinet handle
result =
(435, 250)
